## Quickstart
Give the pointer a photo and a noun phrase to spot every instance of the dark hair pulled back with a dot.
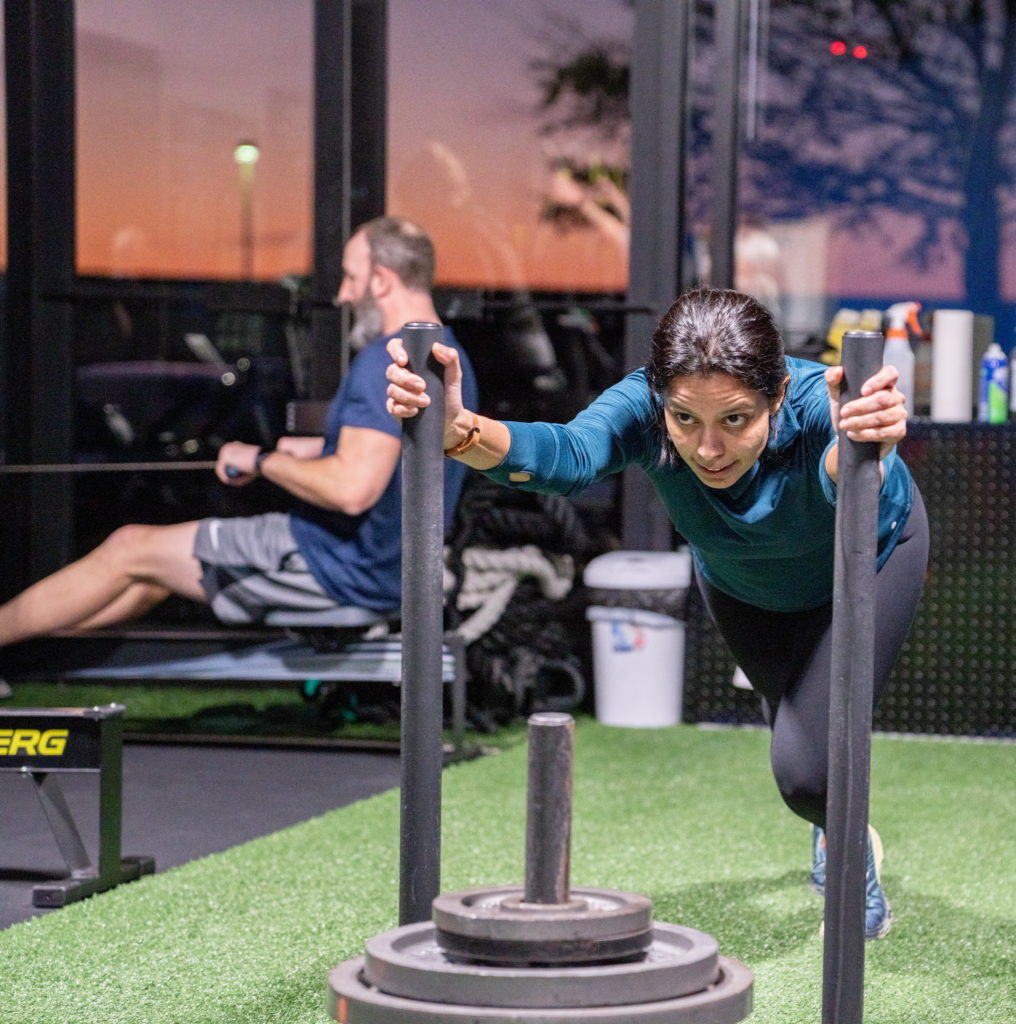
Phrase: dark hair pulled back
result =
(715, 330)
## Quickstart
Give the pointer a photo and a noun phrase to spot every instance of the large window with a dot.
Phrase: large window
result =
(165, 95)
(491, 142)
(194, 198)
(877, 162)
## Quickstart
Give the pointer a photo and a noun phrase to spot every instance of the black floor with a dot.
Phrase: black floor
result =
(180, 803)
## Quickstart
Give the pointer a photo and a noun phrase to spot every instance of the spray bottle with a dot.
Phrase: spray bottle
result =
(897, 351)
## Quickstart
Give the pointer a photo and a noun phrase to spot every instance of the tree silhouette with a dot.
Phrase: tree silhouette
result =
(584, 87)
(915, 126)
(921, 125)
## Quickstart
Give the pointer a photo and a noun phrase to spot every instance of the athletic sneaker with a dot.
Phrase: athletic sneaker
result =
(878, 915)
(5, 689)
(818, 858)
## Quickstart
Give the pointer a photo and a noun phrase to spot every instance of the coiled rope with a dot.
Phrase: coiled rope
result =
(511, 564)
(490, 578)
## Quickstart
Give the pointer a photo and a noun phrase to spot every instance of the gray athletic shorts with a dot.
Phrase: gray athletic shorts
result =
(251, 565)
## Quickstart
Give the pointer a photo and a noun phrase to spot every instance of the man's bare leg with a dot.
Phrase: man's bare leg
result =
(134, 602)
(92, 589)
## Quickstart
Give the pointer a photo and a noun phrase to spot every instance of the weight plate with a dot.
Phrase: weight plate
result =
(496, 925)
(352, 1000)
(542, 953)
(408, 962)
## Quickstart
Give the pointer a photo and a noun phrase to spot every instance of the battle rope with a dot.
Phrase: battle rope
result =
(511, 563)
(491, 577)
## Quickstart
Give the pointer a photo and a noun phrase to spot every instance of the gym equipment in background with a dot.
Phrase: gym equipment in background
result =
(42, 744)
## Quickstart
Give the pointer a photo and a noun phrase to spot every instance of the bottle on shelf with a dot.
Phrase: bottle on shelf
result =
(897, 351)
(993, 400)
(1012, 378)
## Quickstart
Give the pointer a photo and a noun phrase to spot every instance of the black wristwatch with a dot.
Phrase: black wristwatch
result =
(259, 458)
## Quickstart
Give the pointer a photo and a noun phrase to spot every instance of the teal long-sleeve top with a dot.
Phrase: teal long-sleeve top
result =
(768, 539)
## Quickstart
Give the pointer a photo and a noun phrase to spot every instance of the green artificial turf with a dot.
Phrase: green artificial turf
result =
(689, 817)
(253, 712)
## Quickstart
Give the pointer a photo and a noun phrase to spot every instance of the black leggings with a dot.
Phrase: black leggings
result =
(786, 656)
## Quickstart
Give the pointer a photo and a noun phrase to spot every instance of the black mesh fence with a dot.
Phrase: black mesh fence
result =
(956, 672)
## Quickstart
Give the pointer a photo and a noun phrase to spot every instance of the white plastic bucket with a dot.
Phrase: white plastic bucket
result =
(638, 667)
(638, 655)
(640, 570)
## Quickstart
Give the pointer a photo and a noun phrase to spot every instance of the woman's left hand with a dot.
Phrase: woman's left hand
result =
(878, 414)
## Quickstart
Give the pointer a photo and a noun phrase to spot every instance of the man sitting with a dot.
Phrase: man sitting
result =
(340, 546)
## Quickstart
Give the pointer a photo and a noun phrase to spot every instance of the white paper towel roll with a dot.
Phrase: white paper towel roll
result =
(952, 339)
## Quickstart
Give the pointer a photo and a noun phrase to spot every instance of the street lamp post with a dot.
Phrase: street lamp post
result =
(246, 155)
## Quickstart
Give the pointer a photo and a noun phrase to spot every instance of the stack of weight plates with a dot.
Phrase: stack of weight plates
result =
(489, 956)
(544, 952)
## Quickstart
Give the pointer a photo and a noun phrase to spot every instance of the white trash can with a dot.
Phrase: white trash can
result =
(638, 652)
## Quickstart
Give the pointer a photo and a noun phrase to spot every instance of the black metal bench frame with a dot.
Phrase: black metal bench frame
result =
(278, 651)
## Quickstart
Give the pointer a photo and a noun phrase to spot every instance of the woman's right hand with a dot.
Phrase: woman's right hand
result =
(407, 393)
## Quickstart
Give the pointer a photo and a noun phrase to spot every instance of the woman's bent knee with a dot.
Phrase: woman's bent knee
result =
(806, 804)
(803, 786)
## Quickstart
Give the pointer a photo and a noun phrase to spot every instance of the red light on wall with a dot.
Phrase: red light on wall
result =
(860, 52)
(837, 48)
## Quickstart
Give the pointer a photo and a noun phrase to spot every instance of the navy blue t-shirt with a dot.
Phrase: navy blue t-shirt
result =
(357, 559)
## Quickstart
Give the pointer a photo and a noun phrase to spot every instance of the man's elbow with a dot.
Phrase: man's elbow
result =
(352, 503)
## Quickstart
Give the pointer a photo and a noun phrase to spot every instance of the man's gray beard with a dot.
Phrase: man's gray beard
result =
(368, 323)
